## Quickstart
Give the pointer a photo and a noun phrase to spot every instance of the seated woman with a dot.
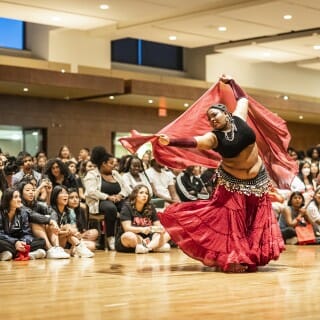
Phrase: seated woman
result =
(134, 174)
(313, 210)
(42, 225)
(305, 177)
(140, 229)
(79, 221)
(64, 154)
(62, 215)
(105, 190)
(58, 173)
(16, 239)
(293, 215)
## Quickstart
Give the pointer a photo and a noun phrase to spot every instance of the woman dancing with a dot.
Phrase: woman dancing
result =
(236, 230)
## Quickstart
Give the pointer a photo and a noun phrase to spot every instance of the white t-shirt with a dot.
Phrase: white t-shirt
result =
(161, 181)
(313, 211)
(131, 182)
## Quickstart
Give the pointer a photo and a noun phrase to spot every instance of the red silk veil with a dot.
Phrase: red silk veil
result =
(272, 137)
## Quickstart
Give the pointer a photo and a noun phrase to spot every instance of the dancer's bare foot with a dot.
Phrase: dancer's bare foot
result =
(236, 268)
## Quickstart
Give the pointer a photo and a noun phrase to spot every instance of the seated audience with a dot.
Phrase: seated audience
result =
(78, 220)
(189, 186)
(42, 225)
(134, 174)
(68, 234)
(65, 155)
(140, 230)
(16, 238)
(313, 210)
(26, 163)
(293, 214)
(59, 174)
(162, 183)
(105, 190)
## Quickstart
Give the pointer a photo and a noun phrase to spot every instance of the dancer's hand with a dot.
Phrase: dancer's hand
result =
(164, 139)
(225, 78)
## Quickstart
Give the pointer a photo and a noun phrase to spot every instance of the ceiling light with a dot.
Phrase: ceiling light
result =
(316, 47)
(186, 105)
(287, 17)
(104, 7)
(150, 101)
(172, 38)
(222, 28)
(285, 98)
(63, 71)
(111, 97)
(300, 117)
(25, 89)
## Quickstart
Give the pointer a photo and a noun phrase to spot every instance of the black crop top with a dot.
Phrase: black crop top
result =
(243, 137)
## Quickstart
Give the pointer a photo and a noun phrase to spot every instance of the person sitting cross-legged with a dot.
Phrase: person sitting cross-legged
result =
(140, 230)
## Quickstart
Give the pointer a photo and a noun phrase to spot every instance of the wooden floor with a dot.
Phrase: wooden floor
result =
(160, 286)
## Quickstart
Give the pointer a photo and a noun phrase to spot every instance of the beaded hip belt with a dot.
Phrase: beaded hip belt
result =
(257, 186)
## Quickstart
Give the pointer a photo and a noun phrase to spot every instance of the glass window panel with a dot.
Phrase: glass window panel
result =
(11, 34)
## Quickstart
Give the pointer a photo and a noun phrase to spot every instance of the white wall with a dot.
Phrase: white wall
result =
(283, 78)
(79, 48)
(37, 40)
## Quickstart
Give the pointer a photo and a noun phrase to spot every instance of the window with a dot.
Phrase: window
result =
(147, 53)
(11, 34)
(14, 139)
(161, 55)
(125, 51)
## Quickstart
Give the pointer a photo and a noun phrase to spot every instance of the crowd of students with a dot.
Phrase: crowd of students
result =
(45, 203)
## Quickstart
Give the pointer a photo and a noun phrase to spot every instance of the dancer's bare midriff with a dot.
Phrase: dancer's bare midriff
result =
(246, 165)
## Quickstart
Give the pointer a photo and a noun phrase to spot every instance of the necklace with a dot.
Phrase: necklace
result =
(229, 135)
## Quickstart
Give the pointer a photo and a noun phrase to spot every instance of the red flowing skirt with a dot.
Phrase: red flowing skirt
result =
(230, 228)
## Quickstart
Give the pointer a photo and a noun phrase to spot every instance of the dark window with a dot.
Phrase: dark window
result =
(125, 51)
(161, 55)
(147, 53)
(11, 34)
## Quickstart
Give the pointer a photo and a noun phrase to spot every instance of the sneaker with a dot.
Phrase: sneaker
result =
(82, 251)
(5, 256)
(111, 243)
(293, 240)
(140, 248)
(57, 253)
(165, 248)
(37, 254)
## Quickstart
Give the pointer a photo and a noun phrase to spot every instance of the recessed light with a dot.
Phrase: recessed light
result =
(285, 98)
(150, 101)
(111, 97)
(186, 105)
(63, 71)
(287, 17)
(25, 89)
(222, 28)
(300, 117)
(172, 38)
(316, 47)
(104, 7)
